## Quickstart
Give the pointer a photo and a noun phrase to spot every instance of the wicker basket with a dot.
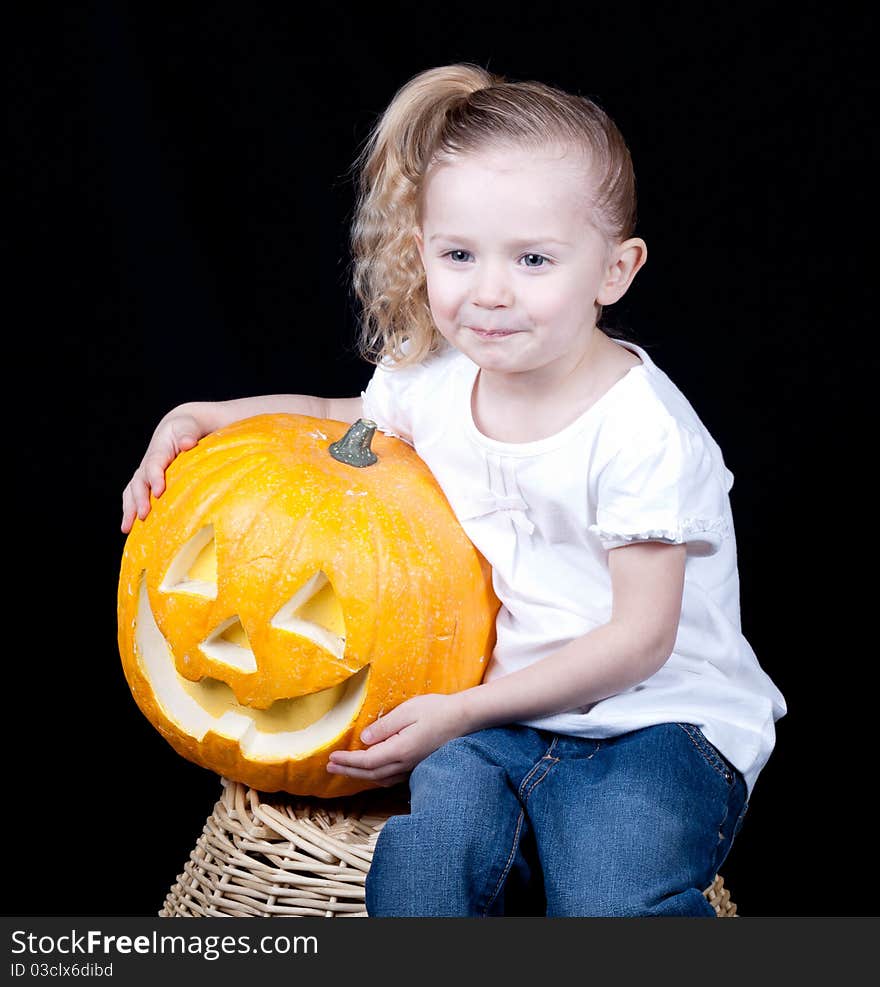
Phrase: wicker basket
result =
(275, 855)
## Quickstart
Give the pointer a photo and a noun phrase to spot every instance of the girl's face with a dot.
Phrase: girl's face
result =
(516, 270)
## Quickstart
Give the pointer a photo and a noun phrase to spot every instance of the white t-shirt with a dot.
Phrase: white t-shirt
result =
(638, 465)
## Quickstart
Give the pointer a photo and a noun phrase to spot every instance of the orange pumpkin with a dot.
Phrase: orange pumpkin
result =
(277, 600)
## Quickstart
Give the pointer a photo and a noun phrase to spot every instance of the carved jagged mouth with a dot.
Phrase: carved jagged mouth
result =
(288, 728)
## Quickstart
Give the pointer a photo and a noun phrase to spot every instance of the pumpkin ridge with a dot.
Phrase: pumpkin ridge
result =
(393, 560)
(207, 501)
(355, 513)
(208, 447)
(442, 581)
(417, 575)
(420, 526)
(258, 511)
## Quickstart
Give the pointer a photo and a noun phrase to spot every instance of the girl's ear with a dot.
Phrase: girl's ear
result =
(625, 262)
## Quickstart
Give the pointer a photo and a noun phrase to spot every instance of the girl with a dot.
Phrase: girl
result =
(623, 719)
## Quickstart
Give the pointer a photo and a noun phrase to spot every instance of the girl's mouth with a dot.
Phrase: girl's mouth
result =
(491, 333)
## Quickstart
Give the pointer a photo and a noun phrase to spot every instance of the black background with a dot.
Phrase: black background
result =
(182, 174)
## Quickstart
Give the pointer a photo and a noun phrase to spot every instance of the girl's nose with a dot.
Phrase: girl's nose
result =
(492, 286)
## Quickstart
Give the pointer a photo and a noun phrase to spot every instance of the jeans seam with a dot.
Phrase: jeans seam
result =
(722, 769)
(506, 869)
(718, 766)
(589, 757)
(547, 757)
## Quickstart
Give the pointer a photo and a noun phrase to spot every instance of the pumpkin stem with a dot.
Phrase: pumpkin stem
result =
(354, 447)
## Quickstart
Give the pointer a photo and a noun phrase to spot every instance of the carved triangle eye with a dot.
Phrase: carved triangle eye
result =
(229, 645)
(194, 569)
(314, 612)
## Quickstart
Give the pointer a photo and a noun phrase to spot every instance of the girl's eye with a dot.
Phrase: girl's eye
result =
(532, 260)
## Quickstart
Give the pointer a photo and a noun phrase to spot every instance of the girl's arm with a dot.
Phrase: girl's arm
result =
(647, 581)
(184, 425)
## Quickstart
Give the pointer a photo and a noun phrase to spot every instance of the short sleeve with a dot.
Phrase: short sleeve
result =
(664, 486)
(390, 398)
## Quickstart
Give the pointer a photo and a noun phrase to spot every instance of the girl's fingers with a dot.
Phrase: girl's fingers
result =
(133, 503)
(385, 774)
(141, 493)
(186, 442)
(383, 728)
(390, 724)
(154, 470)
(150, 475)
(377, 757)
(128, 510)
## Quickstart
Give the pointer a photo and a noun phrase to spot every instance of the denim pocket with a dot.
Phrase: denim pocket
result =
(710, 753)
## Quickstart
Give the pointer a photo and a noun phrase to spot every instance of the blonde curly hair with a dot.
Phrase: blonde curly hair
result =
(438, 114)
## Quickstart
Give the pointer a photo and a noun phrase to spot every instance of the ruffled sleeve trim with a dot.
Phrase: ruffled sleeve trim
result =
(664, 484)
(702, 536)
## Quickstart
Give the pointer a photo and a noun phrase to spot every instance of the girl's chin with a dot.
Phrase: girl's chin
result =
(503, 353)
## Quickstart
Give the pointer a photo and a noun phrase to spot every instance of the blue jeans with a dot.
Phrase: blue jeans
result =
(513, 820)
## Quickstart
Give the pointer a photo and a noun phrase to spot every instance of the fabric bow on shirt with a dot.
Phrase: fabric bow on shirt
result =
(479, 505)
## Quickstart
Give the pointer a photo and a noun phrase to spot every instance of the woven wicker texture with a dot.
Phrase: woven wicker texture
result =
(267, 855)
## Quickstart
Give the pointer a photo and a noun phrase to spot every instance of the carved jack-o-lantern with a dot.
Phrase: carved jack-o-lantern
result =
(285, 591)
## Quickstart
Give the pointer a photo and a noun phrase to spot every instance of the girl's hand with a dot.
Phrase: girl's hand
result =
(176, 433)
(402, 738)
